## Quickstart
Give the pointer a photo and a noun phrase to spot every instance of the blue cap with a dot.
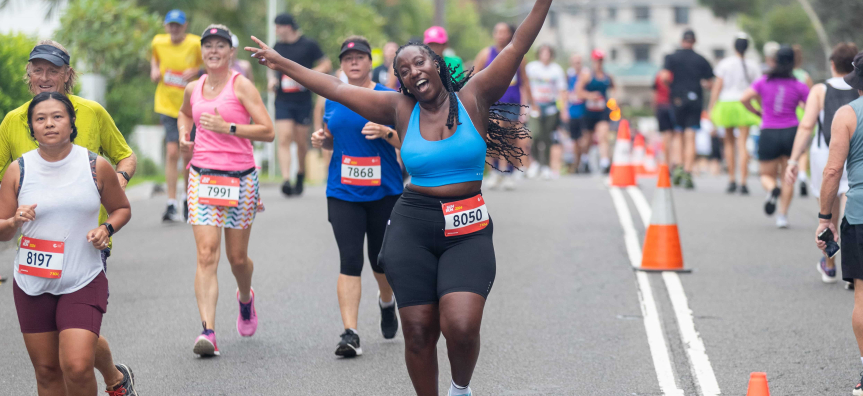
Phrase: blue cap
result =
(175, 16)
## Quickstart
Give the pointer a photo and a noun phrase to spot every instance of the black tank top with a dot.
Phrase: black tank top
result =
(833, 99)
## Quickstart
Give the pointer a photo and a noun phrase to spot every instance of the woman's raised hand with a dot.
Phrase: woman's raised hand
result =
(264, 54)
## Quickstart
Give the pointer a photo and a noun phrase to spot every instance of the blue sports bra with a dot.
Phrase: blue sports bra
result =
(457, 159)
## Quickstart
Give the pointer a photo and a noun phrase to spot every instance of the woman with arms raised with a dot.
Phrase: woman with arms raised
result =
(437, 252)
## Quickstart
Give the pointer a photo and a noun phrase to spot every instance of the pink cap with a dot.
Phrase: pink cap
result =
(597, 54)
(436, 35)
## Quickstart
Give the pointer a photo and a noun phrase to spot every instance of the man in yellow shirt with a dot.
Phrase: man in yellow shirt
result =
(48, 70)
(176, 62)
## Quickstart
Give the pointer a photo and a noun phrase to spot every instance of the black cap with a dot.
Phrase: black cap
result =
(286, 19)
(355, 45)
(689, 35)
(217, 32)
(785, 55)
(855, 78)
(51, 54)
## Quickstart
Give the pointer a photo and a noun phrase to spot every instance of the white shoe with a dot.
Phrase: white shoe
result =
(545, 173)
(518, 174)
(509, 182)
(533, 170)
(493, 180)
(825, 277)
(781, 221)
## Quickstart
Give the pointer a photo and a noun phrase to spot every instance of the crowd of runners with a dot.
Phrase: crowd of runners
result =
(408, 144)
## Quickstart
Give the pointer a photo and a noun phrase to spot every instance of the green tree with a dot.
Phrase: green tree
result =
(467, 36)
(14, 53)
(329, 22)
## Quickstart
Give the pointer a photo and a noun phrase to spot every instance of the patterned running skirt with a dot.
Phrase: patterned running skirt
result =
(240, 217)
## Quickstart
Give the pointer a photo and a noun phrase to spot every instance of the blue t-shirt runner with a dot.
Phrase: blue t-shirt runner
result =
(361, 170)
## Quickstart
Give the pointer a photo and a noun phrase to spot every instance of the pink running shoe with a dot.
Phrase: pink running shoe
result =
(205, 344)
(247, 320)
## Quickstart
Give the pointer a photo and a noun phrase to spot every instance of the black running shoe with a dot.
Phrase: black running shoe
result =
(298, 189)
(770, 203)
(858, 390)
(732, 188)
(286, 188)
(687, 181)
(127, 386)
(170, 214)
(606, 170)
(186, 209)
(349, 346)
(585, 168)
(389, 321)
(804, 191)
(744, 190)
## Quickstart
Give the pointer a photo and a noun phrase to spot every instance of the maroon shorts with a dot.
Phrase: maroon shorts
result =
(46, 312)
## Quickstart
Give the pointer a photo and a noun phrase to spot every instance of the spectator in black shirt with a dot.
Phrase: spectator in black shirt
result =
(293, 101)
(383, 73)
(687, 73)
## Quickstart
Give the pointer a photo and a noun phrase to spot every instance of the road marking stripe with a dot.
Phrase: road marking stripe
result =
(652, 325)
(695, 349)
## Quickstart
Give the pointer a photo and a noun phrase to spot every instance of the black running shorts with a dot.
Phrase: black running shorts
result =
(665, 117)
(422, 265)
(851, 243)
(575, 125)
(775, 143)
(352, 222)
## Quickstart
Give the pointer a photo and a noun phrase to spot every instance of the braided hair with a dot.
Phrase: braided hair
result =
(501, 134)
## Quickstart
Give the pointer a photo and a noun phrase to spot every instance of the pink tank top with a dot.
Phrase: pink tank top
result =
(220, 151)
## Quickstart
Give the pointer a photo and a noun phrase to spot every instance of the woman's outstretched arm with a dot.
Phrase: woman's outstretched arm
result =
(492, 82)
(376, 106)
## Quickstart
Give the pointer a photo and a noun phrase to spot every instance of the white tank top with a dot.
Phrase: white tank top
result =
(68, 208)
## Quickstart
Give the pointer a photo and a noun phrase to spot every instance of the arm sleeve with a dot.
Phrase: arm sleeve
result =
(328, 110)
(668, 64)
(113, 144)
(708, 70)
(758, 86)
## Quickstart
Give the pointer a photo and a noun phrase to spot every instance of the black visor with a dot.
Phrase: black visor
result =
(855, 78)
(355, 46)
(217, 32)
(51, 54)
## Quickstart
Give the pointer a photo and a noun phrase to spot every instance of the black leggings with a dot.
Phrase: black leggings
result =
(351, 222)
(422, 265)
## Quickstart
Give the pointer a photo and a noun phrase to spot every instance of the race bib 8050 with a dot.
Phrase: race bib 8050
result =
(466, 216)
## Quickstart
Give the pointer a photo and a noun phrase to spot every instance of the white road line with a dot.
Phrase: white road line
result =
(701, 367)
(652, 325)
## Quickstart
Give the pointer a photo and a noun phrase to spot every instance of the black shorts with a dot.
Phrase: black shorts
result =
(687, 114)
(591, 118)
(775, 143)
(575, 128)
(715, 148)
(423, 265)
(352, 222)
(851, 243)
(172, 131)
(665, 117)
(298, 112)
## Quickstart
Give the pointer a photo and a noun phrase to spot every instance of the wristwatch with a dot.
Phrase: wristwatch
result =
(125, 175)
(110, 228)
(825, 216)
(233, 129)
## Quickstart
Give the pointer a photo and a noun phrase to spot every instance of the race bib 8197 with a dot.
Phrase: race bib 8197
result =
(37, 257)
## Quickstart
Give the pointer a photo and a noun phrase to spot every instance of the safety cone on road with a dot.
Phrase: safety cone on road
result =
(650, 162)
(662, 242)
(639, 158)
(622, 171)
(758, 385)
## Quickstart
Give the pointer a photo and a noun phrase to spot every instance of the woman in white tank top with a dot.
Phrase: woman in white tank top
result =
(52, 195)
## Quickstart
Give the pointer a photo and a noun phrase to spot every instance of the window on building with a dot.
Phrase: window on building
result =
(681, 15)
(612, 13)
(614, 54)
(642, 13)
(641, 52)
(718, 53)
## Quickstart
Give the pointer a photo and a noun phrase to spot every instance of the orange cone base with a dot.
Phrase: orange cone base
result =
(622, 175)
(758, 385)
(662, 249)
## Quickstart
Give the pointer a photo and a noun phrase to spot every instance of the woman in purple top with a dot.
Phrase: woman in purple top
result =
(516, 95)
(779, 94)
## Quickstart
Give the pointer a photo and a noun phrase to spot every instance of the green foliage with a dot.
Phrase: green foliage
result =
(130, 102)
(329, 22)
(111, 36)
(726, 8)
(467, 36)
(14, 53)
(786, 24)
(404, 18)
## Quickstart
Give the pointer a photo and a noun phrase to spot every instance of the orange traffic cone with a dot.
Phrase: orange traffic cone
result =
(622, 171)
(650, 166)
(758, 385)
(662, 242)
(639, 158)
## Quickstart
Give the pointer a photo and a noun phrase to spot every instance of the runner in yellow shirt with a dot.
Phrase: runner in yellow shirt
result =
(176, 62)
(48, 70)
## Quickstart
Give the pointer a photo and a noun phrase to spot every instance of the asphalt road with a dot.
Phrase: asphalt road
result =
(564, 317)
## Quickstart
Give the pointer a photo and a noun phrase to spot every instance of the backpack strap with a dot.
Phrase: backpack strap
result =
(21, 179)
(92, 158)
